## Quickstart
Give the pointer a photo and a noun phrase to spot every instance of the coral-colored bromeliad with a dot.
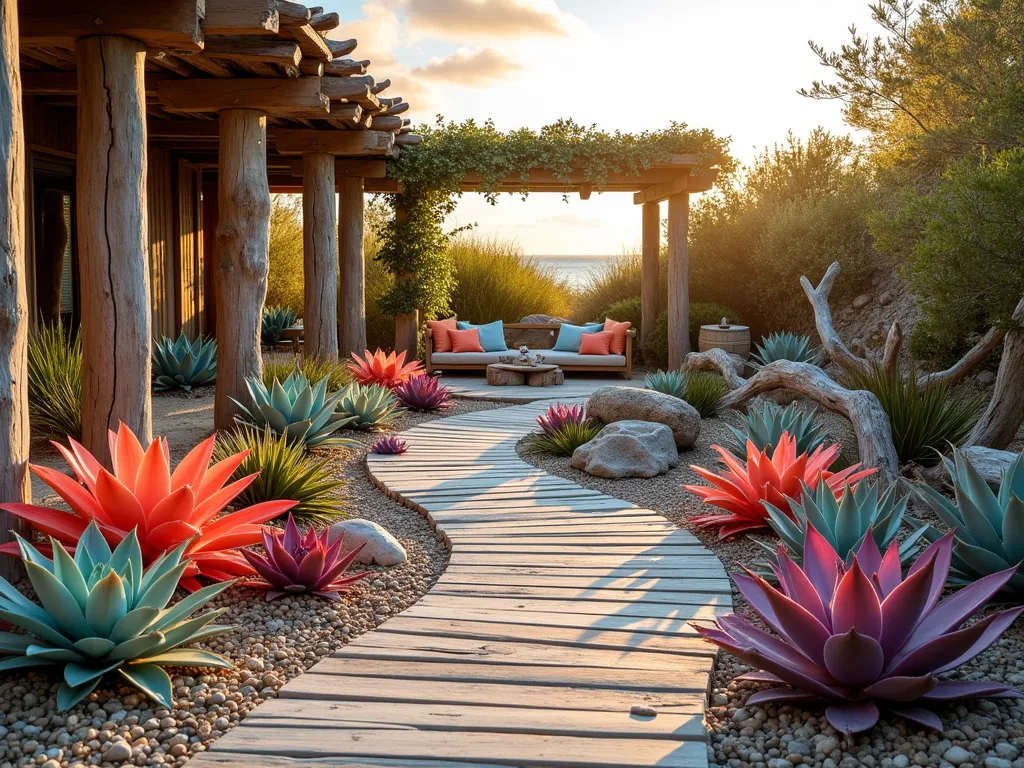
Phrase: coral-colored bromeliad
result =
(388, 370)
(165, 508)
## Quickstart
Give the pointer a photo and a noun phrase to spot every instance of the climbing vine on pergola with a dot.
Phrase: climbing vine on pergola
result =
(414, 245)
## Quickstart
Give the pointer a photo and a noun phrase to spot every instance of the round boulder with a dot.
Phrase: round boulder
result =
(628, 449)
(381, 547)
(612, 404)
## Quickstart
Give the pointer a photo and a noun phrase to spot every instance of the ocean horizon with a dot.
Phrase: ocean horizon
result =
(577, 271)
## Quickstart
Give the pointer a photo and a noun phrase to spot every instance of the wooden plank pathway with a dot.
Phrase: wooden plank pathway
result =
(561, 610)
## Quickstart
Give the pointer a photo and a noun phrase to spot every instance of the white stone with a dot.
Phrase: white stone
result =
(612, 404)
(381, 547)
(628, 449)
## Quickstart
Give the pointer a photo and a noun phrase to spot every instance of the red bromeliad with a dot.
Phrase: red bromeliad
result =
(423, 393)
(165, 508)
(742, 488)
(296, 563)
(558, 415)
(388, 370)
(864, 636)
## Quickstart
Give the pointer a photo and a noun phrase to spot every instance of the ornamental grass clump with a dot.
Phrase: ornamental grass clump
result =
(296, 563)
(275, 321)
(741, 489)
(704, 391)
(165, 509)
(102, 611)
(764, 425)
(863, 637)
(284, 470)
(295, 410)
(389, 445)
(423, 393)
(386, 370)
(563, 429)
(783, 346)
(843, 523)
(55, 382)
(282, 366)
(925, 421)
(368, 406)
(988, 527)
(184, 364)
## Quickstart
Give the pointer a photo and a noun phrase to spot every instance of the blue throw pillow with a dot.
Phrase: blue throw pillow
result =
(492, 335)
(570, 336)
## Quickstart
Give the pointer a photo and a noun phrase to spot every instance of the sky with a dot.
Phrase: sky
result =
(733, 66)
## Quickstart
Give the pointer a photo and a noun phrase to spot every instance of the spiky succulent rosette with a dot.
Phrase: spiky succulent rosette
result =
(165, 508)
(101, 612)
(423, 393)
(741, 489)
(558, 415)
(388, 370)
(862, 637)
(297, 563)
(389, 445)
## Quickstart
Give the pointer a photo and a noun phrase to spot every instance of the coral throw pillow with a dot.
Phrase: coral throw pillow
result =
(466, 341)
(618, 345)
(439, 331)
(596, 343)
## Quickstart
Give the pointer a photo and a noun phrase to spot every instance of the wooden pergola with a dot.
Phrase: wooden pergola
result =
(239, 90)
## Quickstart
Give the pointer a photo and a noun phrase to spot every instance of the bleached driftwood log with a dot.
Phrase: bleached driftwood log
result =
(1005, 413)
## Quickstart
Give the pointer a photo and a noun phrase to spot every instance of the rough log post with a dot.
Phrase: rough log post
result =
(243, 242)
(320, 257)
(678, 280)
(50, 257)
(113, 241)
(999, 424)
(649, 271)
(352, 304)
(14, 436)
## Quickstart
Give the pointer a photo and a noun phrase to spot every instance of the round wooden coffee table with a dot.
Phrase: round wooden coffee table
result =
(510, 375)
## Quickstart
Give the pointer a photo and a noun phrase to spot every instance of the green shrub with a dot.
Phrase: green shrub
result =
(925, 421)
(701, 313)
(286, 470)
(285, 281)
(495, 281)
(624, 310)
(280, 367)
(55, 382)
(704, 391)
(614, 281)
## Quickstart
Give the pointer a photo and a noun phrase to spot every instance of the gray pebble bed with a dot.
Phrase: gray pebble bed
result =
(274, 642)
(987, 733)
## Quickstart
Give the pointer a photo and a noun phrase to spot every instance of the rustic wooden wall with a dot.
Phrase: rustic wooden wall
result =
(162, 237)
(189, 251)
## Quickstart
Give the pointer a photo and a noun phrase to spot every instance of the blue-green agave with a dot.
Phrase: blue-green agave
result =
(763, 425)
(783, 346)
(296, 411)
(275, 321)
(843, 523)
(184, 364)
(988, 527)
(100, 612)
(368, 405)
(667, 382)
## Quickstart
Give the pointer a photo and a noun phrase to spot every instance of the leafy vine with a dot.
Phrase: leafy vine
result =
(414, 245)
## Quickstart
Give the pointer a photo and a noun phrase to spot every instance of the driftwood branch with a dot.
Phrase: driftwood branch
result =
(831, 344)
(974, 357)
(891, 351)
(990, 463)
(716, 361)
(1005, 413)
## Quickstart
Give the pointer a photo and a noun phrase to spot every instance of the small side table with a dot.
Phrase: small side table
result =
(508, 375)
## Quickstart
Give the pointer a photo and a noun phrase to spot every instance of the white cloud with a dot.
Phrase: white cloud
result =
(487, 18)
(470, 67)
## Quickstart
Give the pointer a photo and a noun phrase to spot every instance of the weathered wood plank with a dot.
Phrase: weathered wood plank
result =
(718, 606)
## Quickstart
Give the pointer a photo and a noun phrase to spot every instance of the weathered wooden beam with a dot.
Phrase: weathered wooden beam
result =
(158, 128)
(243, 241)
(170, 25)
(340, 143)
(280, 97)
(241, 17)
(348, 88)
(59, 83)
(386, 123)
(352, 302)
(650, 253)
(686, 183)
(113, 242)
(678, 280)
(383, 85)
(312, 67)
(399, 108)
(341, 47)
(413, 139)
(310, 41)
(15, 485)
(320, 257)
(244, 50)
(292, 14)
(346, 67)
(325, 22)
(364, 168)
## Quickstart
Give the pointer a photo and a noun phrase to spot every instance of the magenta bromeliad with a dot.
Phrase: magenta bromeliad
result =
(558, 415)
(864, 637)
